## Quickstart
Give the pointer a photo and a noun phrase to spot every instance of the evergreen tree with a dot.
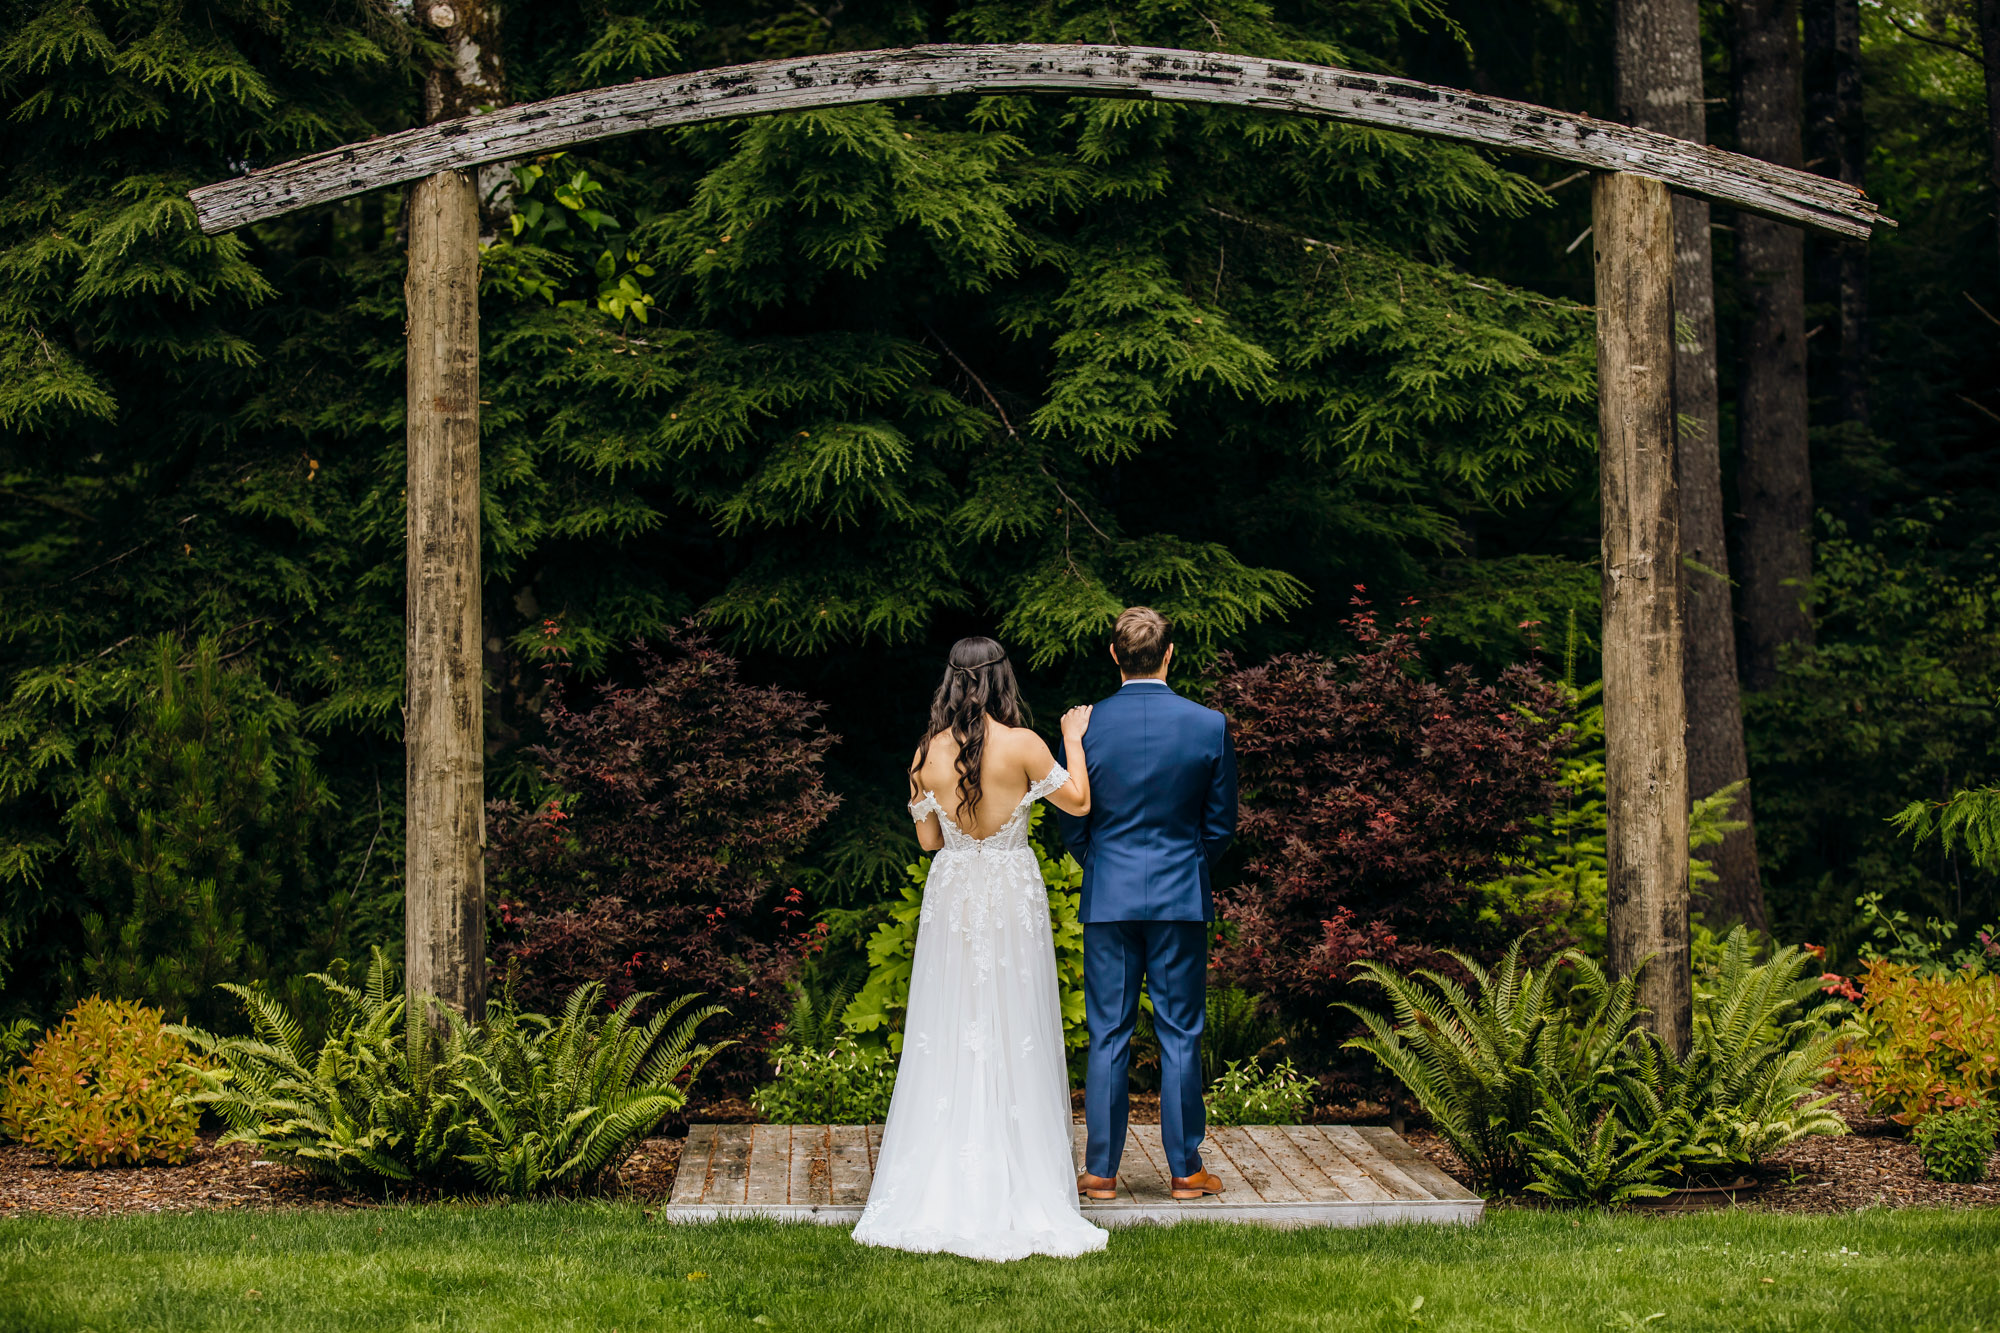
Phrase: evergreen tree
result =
(843, 383)
(192, 840)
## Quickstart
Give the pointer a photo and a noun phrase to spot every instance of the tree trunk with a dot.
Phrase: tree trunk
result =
(1989, 45)
(1645, 756)
(473, 81)
(444, 899)
(1836, 146)
(444, 894)
(1716, 752)
(1774, 478)
(1659, 87)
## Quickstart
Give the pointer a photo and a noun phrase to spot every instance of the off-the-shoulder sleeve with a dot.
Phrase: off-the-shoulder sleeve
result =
(1056, 777)
(924, 807)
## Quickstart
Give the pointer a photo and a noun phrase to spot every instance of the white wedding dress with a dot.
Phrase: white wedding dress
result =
(977, 1155)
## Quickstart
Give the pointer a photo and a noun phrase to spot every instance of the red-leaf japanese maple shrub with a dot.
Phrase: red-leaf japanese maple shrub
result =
(665, 863)
(1372, 799)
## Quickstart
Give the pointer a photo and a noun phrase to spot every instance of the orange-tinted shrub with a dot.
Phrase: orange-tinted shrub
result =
(101, 1088)
(1922, 1043)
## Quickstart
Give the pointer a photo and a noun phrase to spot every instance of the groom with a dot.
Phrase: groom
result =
(1162, 808)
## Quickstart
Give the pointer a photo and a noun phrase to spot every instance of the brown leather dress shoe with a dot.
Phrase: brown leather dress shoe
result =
(1196, 1185)
(1096, 1187)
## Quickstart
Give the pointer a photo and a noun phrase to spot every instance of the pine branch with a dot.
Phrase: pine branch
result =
(1939, 42)
(1068, 499)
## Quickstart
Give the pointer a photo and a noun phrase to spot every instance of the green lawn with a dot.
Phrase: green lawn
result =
(604, 1266)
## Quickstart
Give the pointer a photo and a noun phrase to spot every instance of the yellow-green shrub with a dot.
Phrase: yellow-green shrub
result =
(102, 1087)
(1922, 1043)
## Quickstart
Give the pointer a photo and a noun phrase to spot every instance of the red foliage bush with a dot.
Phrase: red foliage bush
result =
(663, 865)
(1373, 800)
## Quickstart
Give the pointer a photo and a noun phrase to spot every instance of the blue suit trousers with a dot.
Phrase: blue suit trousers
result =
(1171, 958)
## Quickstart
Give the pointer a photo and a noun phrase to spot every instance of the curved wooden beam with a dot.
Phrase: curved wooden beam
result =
(1103, 71)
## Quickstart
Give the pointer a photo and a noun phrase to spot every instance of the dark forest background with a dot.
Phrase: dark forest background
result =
(844, 386)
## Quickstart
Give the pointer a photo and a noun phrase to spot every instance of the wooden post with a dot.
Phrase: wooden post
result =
(1645, 766)
(444, 900)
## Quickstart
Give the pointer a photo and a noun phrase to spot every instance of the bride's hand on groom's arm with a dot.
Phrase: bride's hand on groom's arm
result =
(1073, 797)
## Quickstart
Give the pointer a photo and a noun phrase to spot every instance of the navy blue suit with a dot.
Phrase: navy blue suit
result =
(1162, 809)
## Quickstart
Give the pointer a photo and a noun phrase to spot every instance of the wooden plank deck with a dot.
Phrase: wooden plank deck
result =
(1274, 1175)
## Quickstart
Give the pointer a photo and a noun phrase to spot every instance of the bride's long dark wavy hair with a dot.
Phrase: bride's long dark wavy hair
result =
(978, 683)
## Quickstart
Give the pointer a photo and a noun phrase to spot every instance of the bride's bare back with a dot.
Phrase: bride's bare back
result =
(1015, 759)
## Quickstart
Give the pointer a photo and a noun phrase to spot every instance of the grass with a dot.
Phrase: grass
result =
(606, 1266)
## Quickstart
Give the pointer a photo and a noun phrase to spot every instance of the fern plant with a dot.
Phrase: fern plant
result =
(1760, 1047)
(1557, 1086)
(1484, 1064)
(1581, 1158)
(564, 1100)
(1240, 1029)
(817, 1019)
(379, 1100)
(519, 1105)
(1970, 819)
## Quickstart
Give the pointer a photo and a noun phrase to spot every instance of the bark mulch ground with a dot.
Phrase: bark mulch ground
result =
(211, 1177)
(1874, 1166)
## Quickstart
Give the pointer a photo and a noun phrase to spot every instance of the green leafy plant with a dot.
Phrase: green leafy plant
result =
(1957, 1145)
(1245, 1094)
(1970, 819)
(543, 251)
(1761, 1040)
(104, 1087)
(564, 1100)
(379, 1100)
(1592, 1159)
(1932, 945)
(1483, 1063)
(1919, 1042)
(520, 1104)
(1555, 1086)
(845, 1084)
(1558, 873)
(192, 835)
(16, 1040)
(1239, 1027)
(878, 1009)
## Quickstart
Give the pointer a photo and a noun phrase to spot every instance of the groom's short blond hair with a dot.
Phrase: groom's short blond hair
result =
(1141, 637)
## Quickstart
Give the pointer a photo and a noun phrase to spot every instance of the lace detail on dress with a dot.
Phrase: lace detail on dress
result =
(973, 902)
(976, 1158)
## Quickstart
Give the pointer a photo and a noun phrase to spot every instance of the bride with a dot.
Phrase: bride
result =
(977, 1154)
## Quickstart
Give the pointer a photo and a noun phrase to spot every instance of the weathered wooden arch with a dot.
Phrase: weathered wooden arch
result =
(1154, 73)
(1646, 761)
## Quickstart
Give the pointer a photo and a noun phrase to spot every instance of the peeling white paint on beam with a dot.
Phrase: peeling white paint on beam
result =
(1108, 71)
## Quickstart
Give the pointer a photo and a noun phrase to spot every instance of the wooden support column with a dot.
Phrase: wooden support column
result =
(1646, 797)
(444, 900)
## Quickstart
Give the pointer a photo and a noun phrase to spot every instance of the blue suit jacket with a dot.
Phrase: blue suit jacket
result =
(1162, 806)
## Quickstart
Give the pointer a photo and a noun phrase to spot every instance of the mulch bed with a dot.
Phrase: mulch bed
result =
(211, 1177)
(1874, 1166)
